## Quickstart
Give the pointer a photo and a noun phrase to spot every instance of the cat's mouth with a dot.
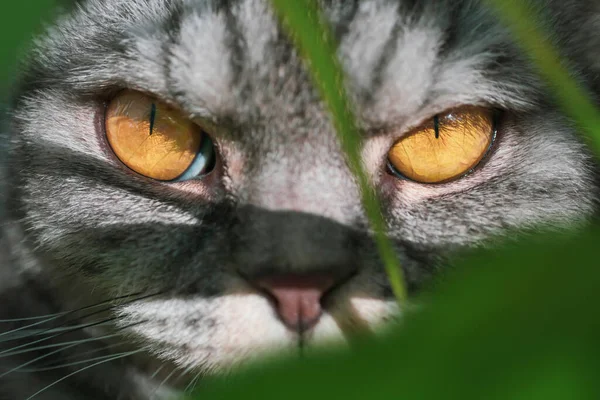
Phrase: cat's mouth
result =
(283, 314)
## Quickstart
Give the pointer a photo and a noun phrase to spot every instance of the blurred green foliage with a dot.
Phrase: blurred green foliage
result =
(18, 20)
(517, 323)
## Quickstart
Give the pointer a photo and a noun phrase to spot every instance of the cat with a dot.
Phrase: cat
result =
(175, 200)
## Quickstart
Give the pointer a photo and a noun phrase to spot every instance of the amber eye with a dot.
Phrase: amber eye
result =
(156, 140)
(446, 147)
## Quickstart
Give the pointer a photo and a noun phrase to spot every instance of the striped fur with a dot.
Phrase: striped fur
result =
(78, 229)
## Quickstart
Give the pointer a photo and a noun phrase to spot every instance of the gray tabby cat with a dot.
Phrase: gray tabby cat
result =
(175, 200)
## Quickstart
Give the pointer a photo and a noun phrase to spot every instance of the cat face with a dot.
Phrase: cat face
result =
(275, 201)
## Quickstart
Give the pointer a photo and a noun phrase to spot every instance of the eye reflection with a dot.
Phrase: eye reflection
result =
(155, 140)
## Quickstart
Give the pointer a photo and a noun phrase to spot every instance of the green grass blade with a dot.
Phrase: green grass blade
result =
(315, 42)
(570, 95)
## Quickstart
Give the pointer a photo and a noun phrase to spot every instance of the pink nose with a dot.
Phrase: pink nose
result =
(298, 297)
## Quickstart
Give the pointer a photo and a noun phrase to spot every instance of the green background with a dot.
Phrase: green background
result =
(19, 20)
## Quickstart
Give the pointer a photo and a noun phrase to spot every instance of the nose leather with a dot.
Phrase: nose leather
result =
(298, 297)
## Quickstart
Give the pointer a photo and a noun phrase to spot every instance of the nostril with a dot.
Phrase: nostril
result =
(298, 297)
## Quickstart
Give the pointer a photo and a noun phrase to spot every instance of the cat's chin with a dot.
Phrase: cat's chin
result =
(219, 334)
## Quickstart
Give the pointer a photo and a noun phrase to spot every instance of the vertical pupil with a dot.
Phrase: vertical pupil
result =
(436, 126)
(152, 117)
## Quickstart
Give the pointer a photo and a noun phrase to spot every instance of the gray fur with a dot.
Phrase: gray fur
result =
(78, 228)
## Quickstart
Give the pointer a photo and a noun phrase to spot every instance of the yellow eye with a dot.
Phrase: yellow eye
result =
(155, 140)
(445, 148)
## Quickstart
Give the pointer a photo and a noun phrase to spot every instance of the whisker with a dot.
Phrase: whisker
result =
(37, 359)
(192, 385)
(85, 353)
(43, 369)
(82, 317)
(66, 346)
(122, 355)
(66, 365)
(164, 381)
(58, 315)
(31, 318)
(183, 373)
(63, 348)
(11, 352)
(48, 346)
(39, 332)
(157, 371)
